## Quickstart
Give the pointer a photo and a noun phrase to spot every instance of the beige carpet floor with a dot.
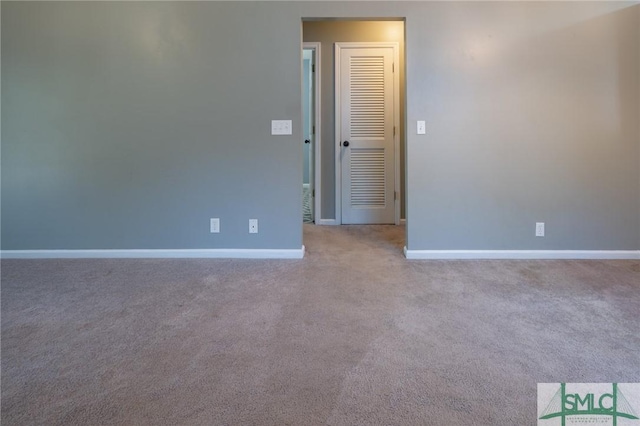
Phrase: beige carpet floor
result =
(353, 334)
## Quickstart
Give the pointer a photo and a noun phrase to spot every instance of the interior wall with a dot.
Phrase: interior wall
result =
(531, 117)
(328, 33)
(638, 28)
(130, 124)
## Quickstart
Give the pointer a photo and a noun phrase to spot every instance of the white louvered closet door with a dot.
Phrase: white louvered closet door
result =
(366, 122)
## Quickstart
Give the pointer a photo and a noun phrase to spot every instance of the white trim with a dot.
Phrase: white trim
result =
(338, 116)
(156, 253)
(398, 125)
(521, 254)
(337, 143)
(327, 222)
(403, 221)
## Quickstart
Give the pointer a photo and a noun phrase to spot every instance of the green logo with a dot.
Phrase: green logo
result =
(587, 401)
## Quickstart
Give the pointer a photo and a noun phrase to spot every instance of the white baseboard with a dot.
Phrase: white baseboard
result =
(326, 222)
(521, 254)
(403, 221)
(156, 253)
(299, 253)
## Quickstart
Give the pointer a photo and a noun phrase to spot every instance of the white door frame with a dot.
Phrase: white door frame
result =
(315, 46)
(396, 122)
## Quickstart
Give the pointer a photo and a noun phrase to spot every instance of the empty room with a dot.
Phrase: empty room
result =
(320, 212)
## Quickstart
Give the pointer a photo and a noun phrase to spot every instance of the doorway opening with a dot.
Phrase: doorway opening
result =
(310, 128)
(357, 102)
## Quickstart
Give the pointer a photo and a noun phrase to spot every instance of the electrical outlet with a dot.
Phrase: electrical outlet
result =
(214, 225)
(253, 226)
(539, 229)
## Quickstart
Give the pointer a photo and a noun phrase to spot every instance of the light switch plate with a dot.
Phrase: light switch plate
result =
(422, 127)
(281, 127)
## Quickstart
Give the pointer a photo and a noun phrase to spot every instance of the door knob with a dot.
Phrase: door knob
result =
(307, 141)
(345, 143)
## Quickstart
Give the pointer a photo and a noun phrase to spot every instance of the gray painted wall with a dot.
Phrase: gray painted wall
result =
(128, 125)
(531, 115)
